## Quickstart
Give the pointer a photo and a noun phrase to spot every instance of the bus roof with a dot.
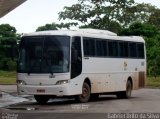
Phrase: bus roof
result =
(95, 33)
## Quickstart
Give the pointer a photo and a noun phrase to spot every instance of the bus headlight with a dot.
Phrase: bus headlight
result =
(21, 82)
(62, 82)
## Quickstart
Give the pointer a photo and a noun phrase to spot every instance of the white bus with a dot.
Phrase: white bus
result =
(81, 63)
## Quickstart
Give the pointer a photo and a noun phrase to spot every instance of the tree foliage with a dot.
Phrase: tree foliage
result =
(55, 26)
(113, 15)
(100, 14)
(52, 26)
(142, 12)
(153, 55)
(109, 14)
(154, 18)
(140, 29)
(8, 46)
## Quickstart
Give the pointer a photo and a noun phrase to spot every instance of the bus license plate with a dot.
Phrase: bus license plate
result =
(40, 90)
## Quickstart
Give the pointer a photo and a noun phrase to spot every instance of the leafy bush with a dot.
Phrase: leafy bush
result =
(7, 64)
(3, 63)
(11, 65)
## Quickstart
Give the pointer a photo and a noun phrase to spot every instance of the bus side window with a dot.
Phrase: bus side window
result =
(140, 50)
(101, 48)
(126, 49)
(132, 50)
(89, 47)
(113, 48)
(121, 49)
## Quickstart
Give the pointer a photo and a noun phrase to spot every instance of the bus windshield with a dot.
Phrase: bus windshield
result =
(44, 54)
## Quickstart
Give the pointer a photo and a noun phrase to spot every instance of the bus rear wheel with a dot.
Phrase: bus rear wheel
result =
(86, 93)
(41, 99)
(126, 94)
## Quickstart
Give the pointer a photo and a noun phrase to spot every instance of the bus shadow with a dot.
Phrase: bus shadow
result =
(62, 102)
(68, 101)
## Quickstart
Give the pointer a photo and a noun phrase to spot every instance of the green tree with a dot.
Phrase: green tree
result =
(8, 46)
(140, 29)
(153, 55)
(7, 31)
(52, 26)
(100, 14)
(55, 26)
(154, 18)
(142, 12)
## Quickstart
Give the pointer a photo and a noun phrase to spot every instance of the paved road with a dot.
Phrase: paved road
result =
(142, 101)
(8, 88)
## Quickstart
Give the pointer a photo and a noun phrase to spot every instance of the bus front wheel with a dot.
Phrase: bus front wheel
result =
(126, 94)
(86, 93)
(41, 99)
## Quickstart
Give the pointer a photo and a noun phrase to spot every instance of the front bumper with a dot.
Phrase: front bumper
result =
(57, 90)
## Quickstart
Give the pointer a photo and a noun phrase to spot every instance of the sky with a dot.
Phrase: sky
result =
(34, 13)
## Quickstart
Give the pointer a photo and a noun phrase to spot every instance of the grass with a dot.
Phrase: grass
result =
(10, 78)
(7, 77)
(153, 82)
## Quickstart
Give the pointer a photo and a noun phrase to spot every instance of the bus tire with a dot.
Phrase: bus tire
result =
(41, 99)
(125, 94)
(86, 93)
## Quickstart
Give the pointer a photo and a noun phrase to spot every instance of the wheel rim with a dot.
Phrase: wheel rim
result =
(85, 93)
